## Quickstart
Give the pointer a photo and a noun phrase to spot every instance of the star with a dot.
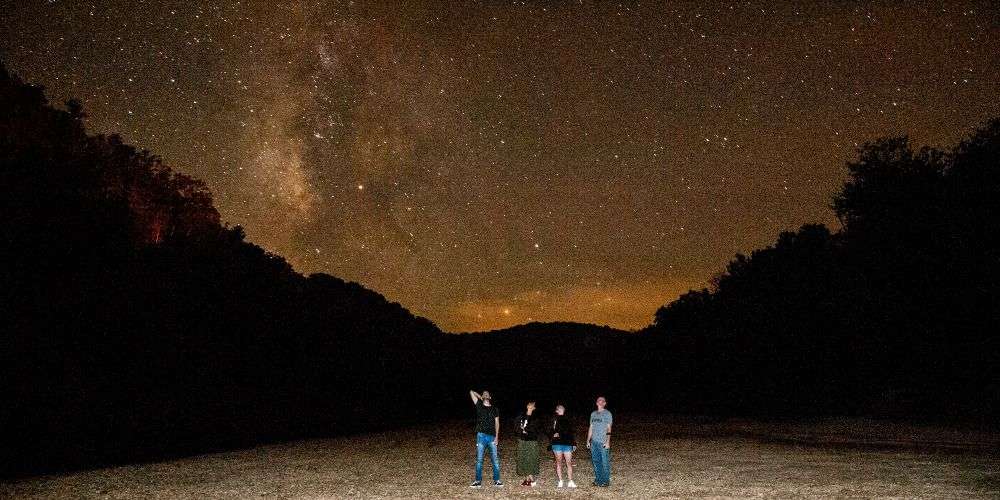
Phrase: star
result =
(651, 161)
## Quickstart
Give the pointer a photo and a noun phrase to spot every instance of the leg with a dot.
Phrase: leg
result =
(479, 460)
(598, 454)
(558, 465)
(596, 462)
(568, 456)
(602, 470)
(607, 466)
(495, 459)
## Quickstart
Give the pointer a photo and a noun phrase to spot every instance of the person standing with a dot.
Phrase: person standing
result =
(563, 445)
(599, 443)
(527, 445)
(487, 436)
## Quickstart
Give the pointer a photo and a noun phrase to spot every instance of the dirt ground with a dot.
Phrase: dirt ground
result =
(651, 459)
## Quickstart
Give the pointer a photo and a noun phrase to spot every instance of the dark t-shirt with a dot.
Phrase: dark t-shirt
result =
(528, 427)
(561, 425)
(485, 418)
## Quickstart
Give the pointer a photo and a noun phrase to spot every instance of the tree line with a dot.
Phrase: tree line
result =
(894, 314)
(137, 325)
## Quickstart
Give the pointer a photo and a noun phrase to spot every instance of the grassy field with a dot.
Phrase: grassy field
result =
(652, 459)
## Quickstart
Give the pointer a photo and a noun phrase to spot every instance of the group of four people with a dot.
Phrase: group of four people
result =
(529, 427)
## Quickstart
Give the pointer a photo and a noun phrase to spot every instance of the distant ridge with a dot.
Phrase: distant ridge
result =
(550, 327)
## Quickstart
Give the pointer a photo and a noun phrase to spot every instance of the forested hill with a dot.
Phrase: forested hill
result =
(895, 314)
(135, 324)
(548, 362)
(554, 327)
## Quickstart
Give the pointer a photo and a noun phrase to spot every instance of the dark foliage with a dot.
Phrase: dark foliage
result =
(895, 315)
(135, 325)
(546, 362)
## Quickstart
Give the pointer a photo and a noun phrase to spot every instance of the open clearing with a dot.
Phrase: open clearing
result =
(651, 459)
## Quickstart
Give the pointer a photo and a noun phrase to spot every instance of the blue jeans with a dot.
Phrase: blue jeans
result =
(601, 457)
(484, 441)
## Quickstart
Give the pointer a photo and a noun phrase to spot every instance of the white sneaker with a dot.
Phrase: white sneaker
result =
(560, 484)
(571, 484)
(533, 483)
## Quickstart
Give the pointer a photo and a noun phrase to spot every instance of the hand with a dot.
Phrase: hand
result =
(607, 446)
(496, 442)
(555, 435)
(588, 445)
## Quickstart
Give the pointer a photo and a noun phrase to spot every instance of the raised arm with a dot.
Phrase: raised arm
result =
(475, 396)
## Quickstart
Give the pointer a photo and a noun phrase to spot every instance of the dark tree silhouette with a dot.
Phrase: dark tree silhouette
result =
(892, 315)
(136, 325)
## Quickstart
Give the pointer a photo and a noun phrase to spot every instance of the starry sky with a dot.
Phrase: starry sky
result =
(491, 163)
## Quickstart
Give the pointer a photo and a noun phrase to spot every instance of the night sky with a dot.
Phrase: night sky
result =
(496, 163)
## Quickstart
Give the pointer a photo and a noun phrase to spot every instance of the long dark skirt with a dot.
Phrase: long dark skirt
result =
(527, 458)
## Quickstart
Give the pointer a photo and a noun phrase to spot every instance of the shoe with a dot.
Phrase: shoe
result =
(560, 484)
(498, 484)
(524, 483)
(571, 484)
(476, 484)
(532, 483)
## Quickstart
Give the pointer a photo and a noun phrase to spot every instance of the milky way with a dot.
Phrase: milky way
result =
(495, 163)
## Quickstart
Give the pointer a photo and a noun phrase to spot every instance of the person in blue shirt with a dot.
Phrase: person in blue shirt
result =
(599, 443)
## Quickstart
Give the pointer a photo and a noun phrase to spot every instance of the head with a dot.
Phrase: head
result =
(486, 397)
(530, 406)
(560, 409)
(601, 402)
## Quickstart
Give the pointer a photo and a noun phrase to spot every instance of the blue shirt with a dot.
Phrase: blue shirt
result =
(600, 422)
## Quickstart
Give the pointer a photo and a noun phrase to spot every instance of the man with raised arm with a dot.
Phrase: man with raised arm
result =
(487, 436)
(599, 443)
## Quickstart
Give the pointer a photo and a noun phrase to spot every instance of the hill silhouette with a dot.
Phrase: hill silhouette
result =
(893, 315)
(138, 326)
(548, 362)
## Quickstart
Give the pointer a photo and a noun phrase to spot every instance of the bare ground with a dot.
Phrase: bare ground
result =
(652, 459)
